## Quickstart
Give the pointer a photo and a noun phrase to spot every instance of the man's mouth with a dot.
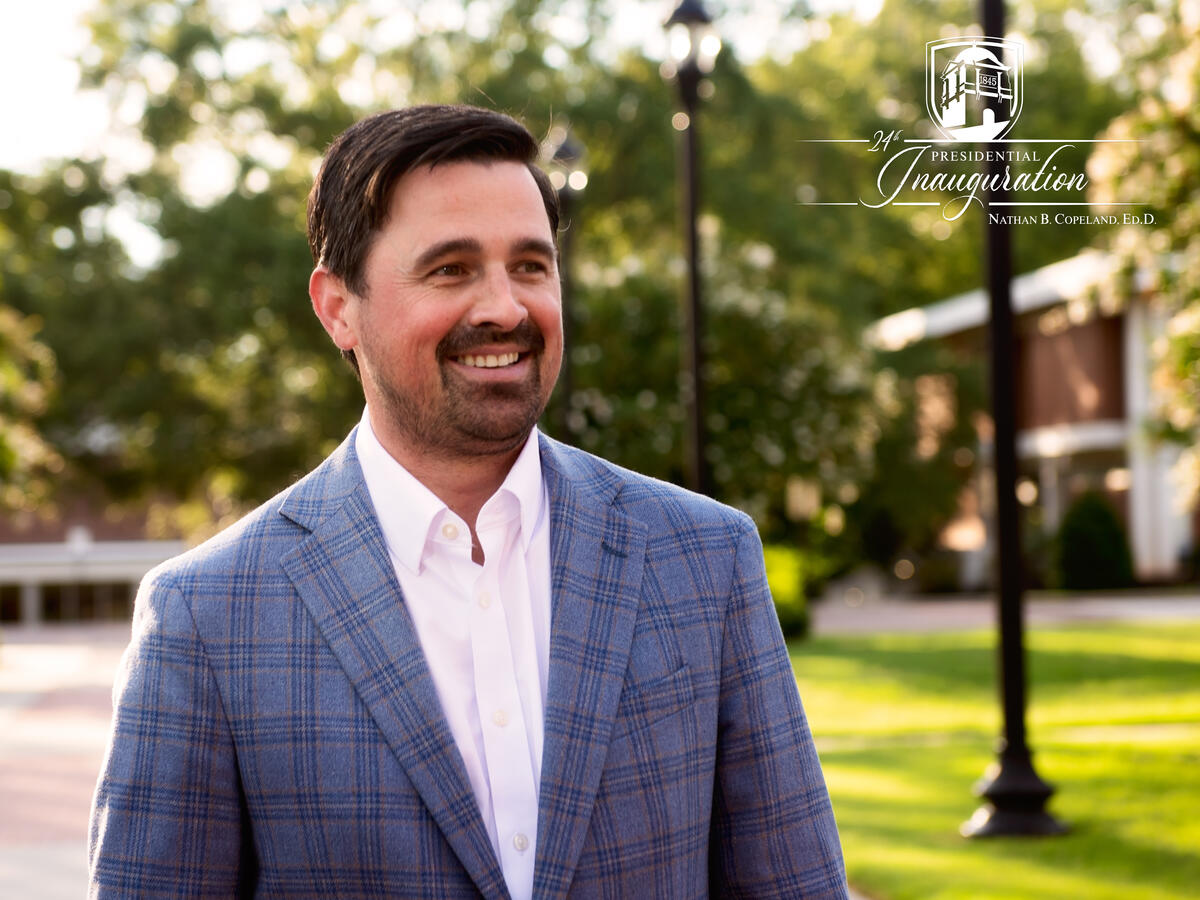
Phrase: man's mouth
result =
(489, 360)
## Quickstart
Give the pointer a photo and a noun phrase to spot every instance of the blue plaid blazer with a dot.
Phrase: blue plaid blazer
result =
(276, 731)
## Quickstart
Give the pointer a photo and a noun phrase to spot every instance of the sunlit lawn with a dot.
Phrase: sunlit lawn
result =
(906, 725)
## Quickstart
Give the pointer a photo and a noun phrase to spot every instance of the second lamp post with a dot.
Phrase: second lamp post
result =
(693, 46)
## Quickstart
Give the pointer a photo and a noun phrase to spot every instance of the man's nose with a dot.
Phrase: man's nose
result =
(498, 303)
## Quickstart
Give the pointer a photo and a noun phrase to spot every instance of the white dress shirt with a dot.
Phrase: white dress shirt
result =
(484, 629)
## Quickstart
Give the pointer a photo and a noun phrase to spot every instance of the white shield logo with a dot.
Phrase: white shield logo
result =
(973, 87)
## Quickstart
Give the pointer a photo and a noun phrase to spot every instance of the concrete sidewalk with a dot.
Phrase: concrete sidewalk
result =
(852, 610)
(55, 708)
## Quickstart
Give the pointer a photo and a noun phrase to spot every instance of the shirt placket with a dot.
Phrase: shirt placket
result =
(505, 737)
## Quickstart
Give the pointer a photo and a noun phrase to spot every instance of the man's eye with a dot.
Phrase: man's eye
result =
(449, 270)
(532, 267)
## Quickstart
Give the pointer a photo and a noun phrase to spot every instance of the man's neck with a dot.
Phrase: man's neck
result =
(463, 483)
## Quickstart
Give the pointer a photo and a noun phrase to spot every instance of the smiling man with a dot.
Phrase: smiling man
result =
(454, 321)
(459, 659)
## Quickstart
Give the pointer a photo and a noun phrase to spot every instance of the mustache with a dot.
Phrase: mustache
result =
(465, 338)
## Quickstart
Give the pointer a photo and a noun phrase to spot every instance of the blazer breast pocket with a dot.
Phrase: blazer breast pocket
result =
(642, 705)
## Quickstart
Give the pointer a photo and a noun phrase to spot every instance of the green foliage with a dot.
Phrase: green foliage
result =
(922, 461)
(785, 575)
(27, 463)
(1093, 551)
(1039, 546)
(199, 374)
(905, 725)
(1154, 164)
(202, 375)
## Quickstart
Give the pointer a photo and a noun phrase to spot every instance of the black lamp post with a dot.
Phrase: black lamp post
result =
(693, 47)
(1015, 794)
(568, 175)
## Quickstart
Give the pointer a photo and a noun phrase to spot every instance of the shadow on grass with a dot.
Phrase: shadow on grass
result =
(1065, 668)
(899, 811)
(963, 664)
(904, 725)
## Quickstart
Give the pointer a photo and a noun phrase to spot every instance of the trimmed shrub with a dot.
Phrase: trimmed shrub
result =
(785, 575)
(1093, 552)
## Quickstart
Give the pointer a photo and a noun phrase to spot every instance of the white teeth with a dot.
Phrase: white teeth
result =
(490, 361)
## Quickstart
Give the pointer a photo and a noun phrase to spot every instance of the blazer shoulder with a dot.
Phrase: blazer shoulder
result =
(269, 531)
(261, 532)
(660, 505)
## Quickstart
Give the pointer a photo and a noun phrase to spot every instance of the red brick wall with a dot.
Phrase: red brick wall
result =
(1074, 375)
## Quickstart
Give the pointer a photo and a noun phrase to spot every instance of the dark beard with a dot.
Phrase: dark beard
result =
(475, 420)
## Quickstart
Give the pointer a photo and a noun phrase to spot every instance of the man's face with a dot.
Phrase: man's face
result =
(459, 336)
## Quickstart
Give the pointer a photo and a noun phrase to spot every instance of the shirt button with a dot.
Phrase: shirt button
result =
(450, 531)
(500, 718)
(520, 842)
(485, 599)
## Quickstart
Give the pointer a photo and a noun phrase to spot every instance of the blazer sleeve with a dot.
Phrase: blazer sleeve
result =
(773, 828)
(167, 815)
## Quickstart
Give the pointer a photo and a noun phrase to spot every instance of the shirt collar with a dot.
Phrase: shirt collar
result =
(524, 481)
(409, 512)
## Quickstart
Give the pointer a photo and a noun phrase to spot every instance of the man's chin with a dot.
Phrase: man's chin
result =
(498, 413)
(496, 434)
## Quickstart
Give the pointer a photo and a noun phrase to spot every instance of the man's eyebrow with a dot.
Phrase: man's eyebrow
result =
(535, 245)
(434, 252)
(443, 248)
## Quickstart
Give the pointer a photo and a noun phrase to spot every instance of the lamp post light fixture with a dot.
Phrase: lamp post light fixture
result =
(566, 162)
(693, 46)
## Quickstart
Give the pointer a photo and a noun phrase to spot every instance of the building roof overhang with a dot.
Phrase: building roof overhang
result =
(1059, 282)
(81, 561)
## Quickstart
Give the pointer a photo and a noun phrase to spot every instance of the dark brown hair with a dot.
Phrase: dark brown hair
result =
(349, 200)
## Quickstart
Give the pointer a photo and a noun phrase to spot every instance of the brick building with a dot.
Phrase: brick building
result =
(1082, 360)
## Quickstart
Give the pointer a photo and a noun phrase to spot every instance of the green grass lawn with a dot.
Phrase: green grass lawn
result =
(906, 725)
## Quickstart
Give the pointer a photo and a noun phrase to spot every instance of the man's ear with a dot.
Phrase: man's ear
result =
(336, 306)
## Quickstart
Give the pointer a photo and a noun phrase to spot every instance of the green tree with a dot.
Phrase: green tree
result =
(27, 463)
(29, 466)
(1156, 166)
(202, 375)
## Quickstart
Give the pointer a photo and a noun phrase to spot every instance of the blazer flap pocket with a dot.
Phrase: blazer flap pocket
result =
(644, 704)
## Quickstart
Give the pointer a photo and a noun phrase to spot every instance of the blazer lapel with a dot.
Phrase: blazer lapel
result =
(597, 555)
(346, 580)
